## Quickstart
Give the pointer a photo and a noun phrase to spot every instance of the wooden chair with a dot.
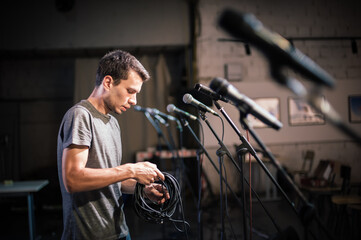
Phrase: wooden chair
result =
(319, 187)
(306, 164)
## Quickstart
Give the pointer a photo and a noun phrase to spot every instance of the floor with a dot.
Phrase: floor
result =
(13, 222)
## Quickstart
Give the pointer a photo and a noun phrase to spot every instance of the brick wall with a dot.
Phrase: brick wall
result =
(291, 19)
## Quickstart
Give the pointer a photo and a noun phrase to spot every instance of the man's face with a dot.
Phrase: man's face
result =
(123, 95)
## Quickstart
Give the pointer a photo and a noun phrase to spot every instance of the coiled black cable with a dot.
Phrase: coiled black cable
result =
(157, 213)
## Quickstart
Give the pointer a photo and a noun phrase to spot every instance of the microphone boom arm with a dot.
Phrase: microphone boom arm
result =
(249, 147)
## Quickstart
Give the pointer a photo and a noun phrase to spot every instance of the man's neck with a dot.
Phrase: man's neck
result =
(96, 99)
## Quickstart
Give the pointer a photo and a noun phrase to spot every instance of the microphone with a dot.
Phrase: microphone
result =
(169, 117)
(172, 108)
(187, 98)
(224, 88)
(278, 49)
(210, 93)
(160, 119)
(141, 109)
(154, 112)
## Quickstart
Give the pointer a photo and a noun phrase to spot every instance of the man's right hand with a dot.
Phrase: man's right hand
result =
(146, 173)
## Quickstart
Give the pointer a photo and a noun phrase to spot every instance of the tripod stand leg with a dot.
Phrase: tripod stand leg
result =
(241, 151)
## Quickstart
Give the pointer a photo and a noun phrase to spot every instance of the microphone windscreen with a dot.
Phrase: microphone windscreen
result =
(232, 22)
(170, 108)
(219, 85)
(137, 108)
(187, 98)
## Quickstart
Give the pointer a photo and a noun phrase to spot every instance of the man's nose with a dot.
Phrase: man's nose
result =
(133, 100)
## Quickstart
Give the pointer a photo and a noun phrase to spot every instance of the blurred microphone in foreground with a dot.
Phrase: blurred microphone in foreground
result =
(279, 51)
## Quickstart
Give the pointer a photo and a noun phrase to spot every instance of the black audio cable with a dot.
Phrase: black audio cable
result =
(156, 213)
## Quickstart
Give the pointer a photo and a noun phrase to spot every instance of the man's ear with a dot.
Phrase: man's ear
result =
(107, 82)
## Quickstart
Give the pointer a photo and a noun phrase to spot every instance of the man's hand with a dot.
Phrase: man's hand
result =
(156, 193)
(146, 173)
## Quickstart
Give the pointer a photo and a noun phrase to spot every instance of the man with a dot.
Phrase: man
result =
(89, 154)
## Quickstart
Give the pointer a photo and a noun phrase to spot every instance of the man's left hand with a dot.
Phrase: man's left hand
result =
(156, 193)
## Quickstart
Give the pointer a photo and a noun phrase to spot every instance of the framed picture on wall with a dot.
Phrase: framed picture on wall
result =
(272, 105)
(354, 108)
(301, 113)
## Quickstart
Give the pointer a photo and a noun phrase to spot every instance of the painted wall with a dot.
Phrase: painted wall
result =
(291, 19)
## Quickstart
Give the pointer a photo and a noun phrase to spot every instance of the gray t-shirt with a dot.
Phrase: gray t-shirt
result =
(96, 214)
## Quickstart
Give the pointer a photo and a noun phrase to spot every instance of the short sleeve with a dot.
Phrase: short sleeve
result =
(76, 127)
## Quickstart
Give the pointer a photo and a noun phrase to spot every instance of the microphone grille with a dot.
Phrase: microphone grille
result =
(218, 85)
(137, 108)
(170, 108)
(233, 23)
(187, 98)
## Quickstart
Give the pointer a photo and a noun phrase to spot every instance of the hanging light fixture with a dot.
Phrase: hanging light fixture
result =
(354, 46)
(247, 48)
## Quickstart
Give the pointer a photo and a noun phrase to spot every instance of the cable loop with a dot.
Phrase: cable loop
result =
(151, 211)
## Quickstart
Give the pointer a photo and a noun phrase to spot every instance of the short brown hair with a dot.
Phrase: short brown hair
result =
(117, 64)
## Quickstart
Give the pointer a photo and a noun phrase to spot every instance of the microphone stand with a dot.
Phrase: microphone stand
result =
(199, 202)
(156, 125)
(220, 153)
(178, 160)
(307, 211)
(242, 150)
(172, 144)
(224, 150)
(199, 180)
(186, 124)
(184, 180)
(180, 164)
